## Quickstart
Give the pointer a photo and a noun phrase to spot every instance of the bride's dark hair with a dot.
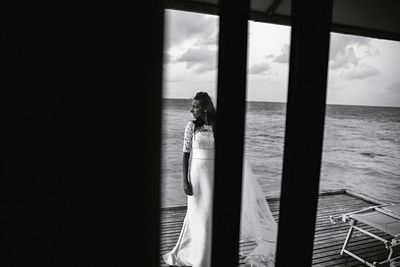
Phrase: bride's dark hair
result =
(207, 104)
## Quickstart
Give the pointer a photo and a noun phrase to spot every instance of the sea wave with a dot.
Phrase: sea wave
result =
(372, 154)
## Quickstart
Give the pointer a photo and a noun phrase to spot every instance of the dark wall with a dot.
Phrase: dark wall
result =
(80, 126)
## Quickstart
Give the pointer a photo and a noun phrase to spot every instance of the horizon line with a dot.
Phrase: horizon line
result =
(334, 104)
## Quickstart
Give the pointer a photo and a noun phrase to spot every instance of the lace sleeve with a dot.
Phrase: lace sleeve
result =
(187, 140)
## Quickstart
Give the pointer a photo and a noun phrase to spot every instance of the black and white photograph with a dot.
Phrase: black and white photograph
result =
(254, 133)
(360, 174)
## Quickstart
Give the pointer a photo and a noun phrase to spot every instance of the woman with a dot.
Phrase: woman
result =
(193, 247)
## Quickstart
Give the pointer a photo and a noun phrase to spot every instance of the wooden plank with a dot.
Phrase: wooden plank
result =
(340, 234)
(371, 251)
(335, 247)
(328, 238)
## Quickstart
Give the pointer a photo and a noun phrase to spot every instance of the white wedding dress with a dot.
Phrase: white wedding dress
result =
(193, 247)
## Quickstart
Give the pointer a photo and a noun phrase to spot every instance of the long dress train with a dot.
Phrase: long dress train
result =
(257, 223)
(193, 247)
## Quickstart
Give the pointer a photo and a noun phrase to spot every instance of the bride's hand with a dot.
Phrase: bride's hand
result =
(187, 186)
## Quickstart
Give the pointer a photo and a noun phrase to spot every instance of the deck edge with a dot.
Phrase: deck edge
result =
(365, 197)
(277, 197)
(321, 193)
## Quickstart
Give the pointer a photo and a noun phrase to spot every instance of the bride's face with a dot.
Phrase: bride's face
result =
(196, 109)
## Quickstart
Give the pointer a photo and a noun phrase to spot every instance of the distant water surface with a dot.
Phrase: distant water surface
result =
(361, 149)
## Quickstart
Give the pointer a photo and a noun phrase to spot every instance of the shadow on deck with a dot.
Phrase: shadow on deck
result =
(328, 239)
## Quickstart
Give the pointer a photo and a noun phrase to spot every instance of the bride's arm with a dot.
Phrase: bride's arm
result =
(186, 183)
(187, 148)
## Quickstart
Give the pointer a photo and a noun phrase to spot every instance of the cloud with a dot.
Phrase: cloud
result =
(339, 43)
(182, 26)
(260, 68)
(283, 57)
(362, 72)
(196, 55)
(342, 51)
(394, 87)
(346, 50)
(199, 59)
(210, 40)
(344, 59)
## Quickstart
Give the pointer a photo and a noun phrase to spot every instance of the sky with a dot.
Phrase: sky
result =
(362, 71)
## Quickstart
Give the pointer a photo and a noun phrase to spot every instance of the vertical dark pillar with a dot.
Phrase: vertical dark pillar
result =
(80, 122)
(145, 105)
(311, 21)
(230, 131)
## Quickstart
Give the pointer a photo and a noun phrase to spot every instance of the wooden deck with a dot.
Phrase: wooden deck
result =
(328, 238)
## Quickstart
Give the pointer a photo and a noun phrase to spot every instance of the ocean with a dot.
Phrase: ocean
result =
(361, 150)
